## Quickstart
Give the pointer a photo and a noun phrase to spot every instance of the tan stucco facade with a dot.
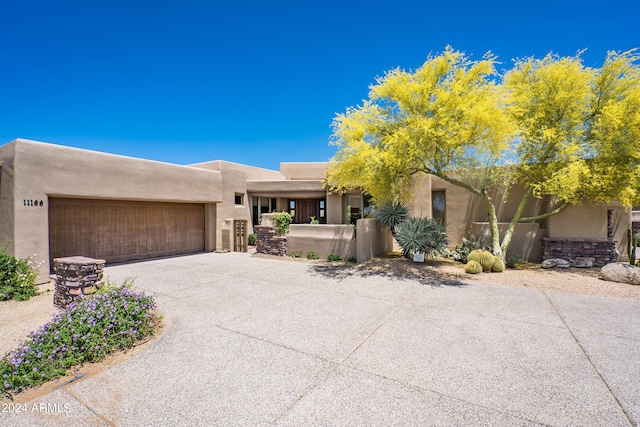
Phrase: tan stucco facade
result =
(33, 172)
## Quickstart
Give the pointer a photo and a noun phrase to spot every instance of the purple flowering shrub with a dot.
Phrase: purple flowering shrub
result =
(111, 320)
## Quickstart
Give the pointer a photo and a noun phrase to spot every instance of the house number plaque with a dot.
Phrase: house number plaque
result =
(33, 203)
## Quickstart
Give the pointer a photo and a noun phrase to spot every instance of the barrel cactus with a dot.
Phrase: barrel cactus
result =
(484, 258)
(473, 267)
(498, 265)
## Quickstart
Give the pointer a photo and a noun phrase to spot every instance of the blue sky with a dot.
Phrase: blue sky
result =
(253, 82)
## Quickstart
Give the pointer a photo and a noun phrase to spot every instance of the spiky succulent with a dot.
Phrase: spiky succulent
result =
(422, 235)
(391, 214)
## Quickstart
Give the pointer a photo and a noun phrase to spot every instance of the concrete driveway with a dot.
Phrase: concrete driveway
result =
(254, 341)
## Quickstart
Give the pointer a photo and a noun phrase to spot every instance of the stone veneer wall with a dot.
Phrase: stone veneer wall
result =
(600, 252)
(268, 243)
(75, 277)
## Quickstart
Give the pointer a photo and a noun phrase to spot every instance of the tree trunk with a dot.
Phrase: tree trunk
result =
(508, 235)
(493, 225)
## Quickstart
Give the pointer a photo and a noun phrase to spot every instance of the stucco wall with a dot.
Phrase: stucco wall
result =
(461, 208)
(325, 239)
(526, 240)
(303, 170)
(42, 170)
(371, 239)
(234, 179)
(6, 198)
(583, 221)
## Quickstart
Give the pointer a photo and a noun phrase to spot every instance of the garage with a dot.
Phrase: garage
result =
(119, 231)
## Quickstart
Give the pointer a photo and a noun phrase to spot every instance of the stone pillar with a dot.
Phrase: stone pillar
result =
(76, 276)
(268, 243)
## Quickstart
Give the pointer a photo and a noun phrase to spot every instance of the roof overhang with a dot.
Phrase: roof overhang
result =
(286, 188)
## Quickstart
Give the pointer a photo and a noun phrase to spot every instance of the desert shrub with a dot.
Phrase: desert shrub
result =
(313, 255)
(281, 220)
(113, 319)
(333, 257)
(462, 251)
(352, 259)
(294, 254)
(514, 260)
(17, 277)
(422, 235)
(251, 239)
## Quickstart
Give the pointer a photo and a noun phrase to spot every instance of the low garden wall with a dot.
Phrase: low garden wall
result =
(324, 239)
(600, 252)
(362, 242)
(526, 241)
(372, 239)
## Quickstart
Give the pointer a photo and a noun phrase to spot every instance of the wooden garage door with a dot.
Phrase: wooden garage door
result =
(120, 231)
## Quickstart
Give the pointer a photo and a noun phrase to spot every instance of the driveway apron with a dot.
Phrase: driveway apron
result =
(261, 341)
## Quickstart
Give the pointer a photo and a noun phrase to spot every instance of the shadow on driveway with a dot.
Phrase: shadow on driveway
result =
(341, 272)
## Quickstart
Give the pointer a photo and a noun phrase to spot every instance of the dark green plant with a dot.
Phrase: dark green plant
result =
(462, 251)
(17, 277)
(422, 235)
(632, 242)
(333, 257)
(281, 221)
(514, 260)
(251, 239)
(313, 255)
(112, 319)
(352, 259)
(392, 214)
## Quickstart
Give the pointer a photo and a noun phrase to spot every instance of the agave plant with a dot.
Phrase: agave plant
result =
(422, 235)
(392, 214)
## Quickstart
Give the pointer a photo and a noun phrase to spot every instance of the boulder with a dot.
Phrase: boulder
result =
(555, 262)
(621, 272)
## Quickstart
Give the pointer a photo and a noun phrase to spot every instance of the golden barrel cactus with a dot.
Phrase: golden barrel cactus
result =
(473, 267)
(498, 265)
(484, 258)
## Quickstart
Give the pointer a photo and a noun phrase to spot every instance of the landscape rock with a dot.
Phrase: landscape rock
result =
(582, 262)
(556, 262)
(621, 272)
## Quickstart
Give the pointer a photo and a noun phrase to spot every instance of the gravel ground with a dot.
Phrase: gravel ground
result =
(571, 280)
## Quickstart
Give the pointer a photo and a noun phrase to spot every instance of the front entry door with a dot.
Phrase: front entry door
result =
(305, 209)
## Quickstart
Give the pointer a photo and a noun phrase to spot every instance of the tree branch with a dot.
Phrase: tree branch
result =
(546, 214)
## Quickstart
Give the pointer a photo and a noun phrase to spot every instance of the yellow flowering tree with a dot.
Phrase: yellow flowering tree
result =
(551, 124)
(578, 131)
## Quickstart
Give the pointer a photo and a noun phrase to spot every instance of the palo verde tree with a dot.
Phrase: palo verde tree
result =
(553, 125)
(578, 131)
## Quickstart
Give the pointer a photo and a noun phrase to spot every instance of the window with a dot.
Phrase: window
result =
(438, 205)
(321, 212)
(239, 199)
(260, 206)
(292, 208)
